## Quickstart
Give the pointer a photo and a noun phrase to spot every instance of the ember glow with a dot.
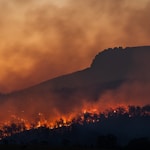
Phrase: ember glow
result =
(21, 121)
(18, 125)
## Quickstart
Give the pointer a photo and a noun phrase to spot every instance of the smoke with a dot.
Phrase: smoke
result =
(122, 81)
(44, 39)
(134, 90)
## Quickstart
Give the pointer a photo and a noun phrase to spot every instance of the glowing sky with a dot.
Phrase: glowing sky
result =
(42, 39)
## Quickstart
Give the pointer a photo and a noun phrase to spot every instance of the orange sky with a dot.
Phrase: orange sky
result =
(40, 40)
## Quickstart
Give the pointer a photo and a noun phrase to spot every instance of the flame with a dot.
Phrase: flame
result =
(92, 115)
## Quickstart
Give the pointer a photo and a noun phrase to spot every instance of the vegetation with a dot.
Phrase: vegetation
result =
(87, 131)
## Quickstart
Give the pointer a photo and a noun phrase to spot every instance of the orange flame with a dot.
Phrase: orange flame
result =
(88, 115)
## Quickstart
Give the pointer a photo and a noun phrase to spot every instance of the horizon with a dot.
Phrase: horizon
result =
(20, 89)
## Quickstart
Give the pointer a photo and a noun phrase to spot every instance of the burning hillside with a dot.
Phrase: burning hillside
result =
(117, 77)
(123, 117)
(17, 125)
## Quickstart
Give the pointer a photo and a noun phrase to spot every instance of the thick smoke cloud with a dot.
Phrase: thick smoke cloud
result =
(117, 77)
(42, 40)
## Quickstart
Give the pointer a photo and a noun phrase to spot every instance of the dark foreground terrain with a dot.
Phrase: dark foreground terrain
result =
(135, 144)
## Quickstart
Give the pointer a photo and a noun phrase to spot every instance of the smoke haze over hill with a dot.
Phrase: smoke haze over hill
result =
(44, 39)
(117, 77)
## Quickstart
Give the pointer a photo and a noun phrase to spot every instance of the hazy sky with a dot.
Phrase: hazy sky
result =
(42, 39)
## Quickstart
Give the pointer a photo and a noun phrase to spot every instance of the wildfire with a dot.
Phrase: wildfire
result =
(17, 124)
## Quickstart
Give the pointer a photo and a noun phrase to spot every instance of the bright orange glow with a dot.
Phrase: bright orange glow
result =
(17, 124)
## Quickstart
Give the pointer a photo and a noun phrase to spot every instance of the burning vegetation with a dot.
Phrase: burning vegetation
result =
(111, 96)
(18, 125)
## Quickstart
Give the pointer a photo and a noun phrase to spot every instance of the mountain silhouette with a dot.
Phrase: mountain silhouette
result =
(110, 69)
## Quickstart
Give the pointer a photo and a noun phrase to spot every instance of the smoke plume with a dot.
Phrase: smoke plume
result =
(44, 39)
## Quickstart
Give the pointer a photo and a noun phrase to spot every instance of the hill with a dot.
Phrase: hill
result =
(116, 76)
(109, 70)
